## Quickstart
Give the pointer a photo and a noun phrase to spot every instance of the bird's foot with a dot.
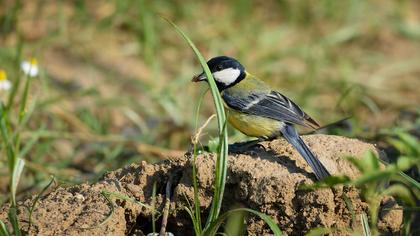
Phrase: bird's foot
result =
(245, 146)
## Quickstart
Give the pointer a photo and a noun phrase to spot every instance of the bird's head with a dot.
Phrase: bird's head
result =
(226, 71)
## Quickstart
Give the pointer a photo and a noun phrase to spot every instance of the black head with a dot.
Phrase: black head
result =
(226, 71)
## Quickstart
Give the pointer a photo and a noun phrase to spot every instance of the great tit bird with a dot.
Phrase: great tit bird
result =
(258, 111)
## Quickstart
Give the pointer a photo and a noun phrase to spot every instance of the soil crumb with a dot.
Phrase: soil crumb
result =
(265, 178)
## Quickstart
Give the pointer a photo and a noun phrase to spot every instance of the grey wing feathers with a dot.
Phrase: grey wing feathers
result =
(273, 105)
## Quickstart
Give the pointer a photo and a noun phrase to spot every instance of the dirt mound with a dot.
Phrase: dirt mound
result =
(266, 179)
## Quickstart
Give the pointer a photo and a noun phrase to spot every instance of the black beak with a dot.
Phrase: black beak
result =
(200, 77)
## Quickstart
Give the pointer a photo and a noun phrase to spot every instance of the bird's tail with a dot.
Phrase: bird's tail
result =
(291, 135)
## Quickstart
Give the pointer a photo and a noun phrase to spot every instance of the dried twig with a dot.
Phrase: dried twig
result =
(196, 137)
(166, 208)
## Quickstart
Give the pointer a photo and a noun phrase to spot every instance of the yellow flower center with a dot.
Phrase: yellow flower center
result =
(3, 75)
(33, 61)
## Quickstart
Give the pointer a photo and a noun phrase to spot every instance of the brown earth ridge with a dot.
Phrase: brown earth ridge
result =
(265, 179)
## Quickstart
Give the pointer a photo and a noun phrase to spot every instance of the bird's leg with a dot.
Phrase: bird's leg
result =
(235, 147)
(242, 146)
(270, 138)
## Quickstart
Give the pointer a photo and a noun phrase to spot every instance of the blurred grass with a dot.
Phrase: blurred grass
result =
(115, 87)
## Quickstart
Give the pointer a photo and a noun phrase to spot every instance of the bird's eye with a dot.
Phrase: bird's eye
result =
(219, 67)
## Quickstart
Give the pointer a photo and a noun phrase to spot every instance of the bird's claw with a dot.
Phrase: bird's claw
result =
(245, 146)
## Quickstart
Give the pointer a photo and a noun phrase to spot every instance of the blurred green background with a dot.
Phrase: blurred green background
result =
(115, 87)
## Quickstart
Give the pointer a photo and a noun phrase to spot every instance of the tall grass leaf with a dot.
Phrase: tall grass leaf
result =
(196, 224)
(402, 192)
(365, 225)
(410, 140)
(17, 60)
(14, 221)
(6, 137)
(26, 115)
(407, 224)
(147, 36)
(326, 182)
(406, 144)
(350, 208)
(9, 16)
(406, 177)
(35, 201)
(127, 198)
(371, 160)
(411, 31)
(196, 217)
(342, 35)
(29, 144)
(410, 180)
(24, 100)
(357, 163)
(197, 212)
(108, 216)
(235, 224)
(212, 229)
(17, 171)
(3, 229)
(320, 231)
(372, 176)
(346, 93)
(220, 173)
(404, 162)
(221, 164)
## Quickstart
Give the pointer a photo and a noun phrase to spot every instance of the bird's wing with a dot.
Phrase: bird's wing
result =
(272, 105)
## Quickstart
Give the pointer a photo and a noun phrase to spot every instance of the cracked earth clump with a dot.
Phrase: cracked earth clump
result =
(264, 178)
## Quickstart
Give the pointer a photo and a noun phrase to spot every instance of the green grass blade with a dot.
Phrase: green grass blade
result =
(24, 101)
(410, 144)
(402, 192)
(410, 180)
(197, 212)
(212, 229)
(320, 231)
(33, 140)
(5, 134)
(15, 87)
(350, 208)
(221, 164)
(127, 198)
(108, 216)
(371, 177)
(196, 225)
(3, 229)
(196, 216)
(365, 225)
(14, 221)
(406, 177)
(17, 171)
(235, 224)
(268, 220)
(35, 201)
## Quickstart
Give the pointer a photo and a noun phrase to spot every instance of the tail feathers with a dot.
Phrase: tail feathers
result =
(291, 135)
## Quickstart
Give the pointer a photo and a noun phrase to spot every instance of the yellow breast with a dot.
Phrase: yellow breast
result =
(251, 125)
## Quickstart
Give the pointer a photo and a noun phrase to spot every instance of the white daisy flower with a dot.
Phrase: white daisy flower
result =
(30, 67)
(5, 84)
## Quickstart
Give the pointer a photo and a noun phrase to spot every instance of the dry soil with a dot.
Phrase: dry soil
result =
(265, 178)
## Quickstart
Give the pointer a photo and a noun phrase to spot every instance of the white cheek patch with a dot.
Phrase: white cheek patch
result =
(227, 76)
